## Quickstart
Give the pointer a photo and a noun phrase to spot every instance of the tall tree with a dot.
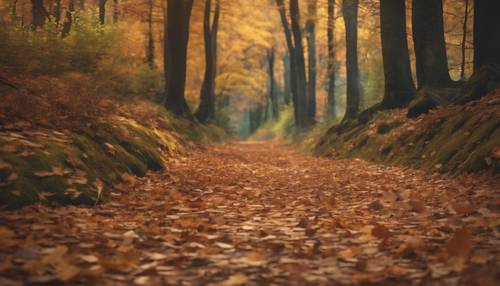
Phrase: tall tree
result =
(57, 12)
(272, 89)
(331, 58)
(303, 117)
(176, 43)
(69, 18)
(150, 52)
(291, 57)
(116, 11)
(486, 29)
(82, 4)
(102, 11)
(312, 7)
(399, 86)
(464, 39)
(430, 47)
(286, 78)
(39, 13)
(350, 14)
(206, 110)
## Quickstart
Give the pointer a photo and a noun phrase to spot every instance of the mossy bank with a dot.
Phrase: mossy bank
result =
(454, 139)
(81, 164)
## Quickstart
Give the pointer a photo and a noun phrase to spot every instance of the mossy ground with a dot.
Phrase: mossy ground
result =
(453, 139)
(78, 166)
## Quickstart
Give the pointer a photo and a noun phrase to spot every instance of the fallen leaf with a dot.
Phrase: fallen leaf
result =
(89, 258)
(235, 280)
(460, 244)
(381, 231)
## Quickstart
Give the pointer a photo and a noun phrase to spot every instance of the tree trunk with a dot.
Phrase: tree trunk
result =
(291, 55)
(312, 8)
(464, 40)
(68, 22)
(272, 89)
(102, 11)
(13, 11)
(300, 67)
(430, 47)
(39, 13)
(286, 78)
(116, 11)
(206, 110)
(150, 53)
(331, 59)
(82, 4)
(176, 43)
(57, 12)
(350, 13)
(486, 29)
(399, 86)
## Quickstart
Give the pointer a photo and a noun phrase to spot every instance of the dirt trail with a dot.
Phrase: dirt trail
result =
(259, 213)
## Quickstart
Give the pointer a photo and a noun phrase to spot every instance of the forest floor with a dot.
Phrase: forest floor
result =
(256, 213)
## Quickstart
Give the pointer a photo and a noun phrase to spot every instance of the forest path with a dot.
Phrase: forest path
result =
(256, 213)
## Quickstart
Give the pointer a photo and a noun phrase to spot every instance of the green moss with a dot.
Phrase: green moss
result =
(102, 152)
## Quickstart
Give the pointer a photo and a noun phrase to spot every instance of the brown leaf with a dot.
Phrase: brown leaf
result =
(381, 231)
(67, 272)
(417, 206)
(235, 280)
(9, 148)
(462, 207)
(460, 244)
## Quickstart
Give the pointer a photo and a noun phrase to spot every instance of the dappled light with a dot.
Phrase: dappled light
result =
(263, 142)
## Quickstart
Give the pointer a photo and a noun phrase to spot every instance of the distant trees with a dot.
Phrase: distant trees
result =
(399, 86)
(206, 110)
(175, 54)
(430, 48)
(350, 13)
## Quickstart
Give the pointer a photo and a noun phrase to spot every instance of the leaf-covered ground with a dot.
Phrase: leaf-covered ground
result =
(261, 213)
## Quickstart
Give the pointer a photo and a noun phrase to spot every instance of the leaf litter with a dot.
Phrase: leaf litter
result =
(261, 213)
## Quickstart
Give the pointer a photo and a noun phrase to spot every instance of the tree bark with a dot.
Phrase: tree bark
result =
(102, 11)
(312, 8)
(116, 11)
(291, 56)
(206, 110)
(82, 4)
(350, 13)
(399, 86)
(286, 78)
(272, 88)
(176, 43)
(39, 13)
(68, 22)
(57, 12)
(150, 52)
(13, 11)
(331, 59)
(486, 29)
(304, 120)
(430, 47)
(464, 40)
